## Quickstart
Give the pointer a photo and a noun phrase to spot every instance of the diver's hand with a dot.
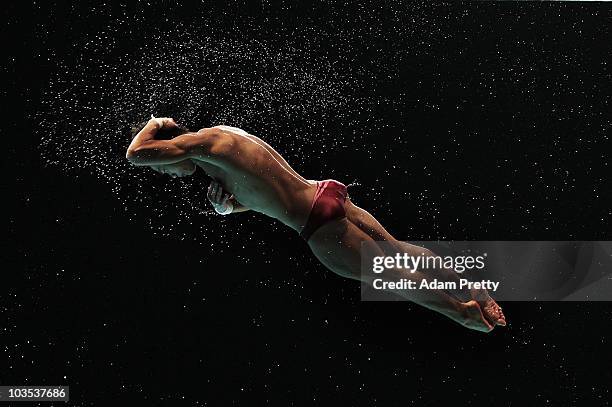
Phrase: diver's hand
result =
(164, 122)
(219, 199)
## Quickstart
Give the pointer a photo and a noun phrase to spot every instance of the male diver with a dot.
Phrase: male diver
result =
(248, 174)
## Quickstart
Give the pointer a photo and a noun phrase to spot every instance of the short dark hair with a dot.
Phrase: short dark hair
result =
(162, 134)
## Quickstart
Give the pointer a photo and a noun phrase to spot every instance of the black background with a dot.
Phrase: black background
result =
(496, 127)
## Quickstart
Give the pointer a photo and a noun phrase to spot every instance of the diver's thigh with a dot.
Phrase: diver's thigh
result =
(366, 222)
(337, 244)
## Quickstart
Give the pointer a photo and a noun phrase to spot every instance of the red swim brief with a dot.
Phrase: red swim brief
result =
(327, 205)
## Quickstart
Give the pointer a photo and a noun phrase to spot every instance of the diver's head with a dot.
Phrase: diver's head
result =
(179, 169)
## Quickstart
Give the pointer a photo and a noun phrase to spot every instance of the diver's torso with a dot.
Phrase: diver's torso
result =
(258, 181)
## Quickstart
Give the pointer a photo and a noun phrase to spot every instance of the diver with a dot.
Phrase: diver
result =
(248, 174)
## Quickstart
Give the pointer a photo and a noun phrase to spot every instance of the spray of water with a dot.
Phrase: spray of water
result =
(280, 92)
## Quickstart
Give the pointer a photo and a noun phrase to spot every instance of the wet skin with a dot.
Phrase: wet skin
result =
(261, 180)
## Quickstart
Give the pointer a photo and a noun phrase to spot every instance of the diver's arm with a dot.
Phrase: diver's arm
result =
(146, 150)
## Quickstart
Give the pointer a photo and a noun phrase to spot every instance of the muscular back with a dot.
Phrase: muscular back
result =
(257, 176)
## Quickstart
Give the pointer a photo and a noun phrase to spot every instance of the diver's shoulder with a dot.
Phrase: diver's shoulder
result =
(230, 129)
(208, 130)
(210, 134)
(221, 130)
(218, 140)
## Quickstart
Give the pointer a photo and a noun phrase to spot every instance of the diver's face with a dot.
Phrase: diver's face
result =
(179, 169)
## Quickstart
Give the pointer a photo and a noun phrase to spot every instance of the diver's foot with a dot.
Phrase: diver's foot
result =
(490, 308)
(493, 312)
(474, 317)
